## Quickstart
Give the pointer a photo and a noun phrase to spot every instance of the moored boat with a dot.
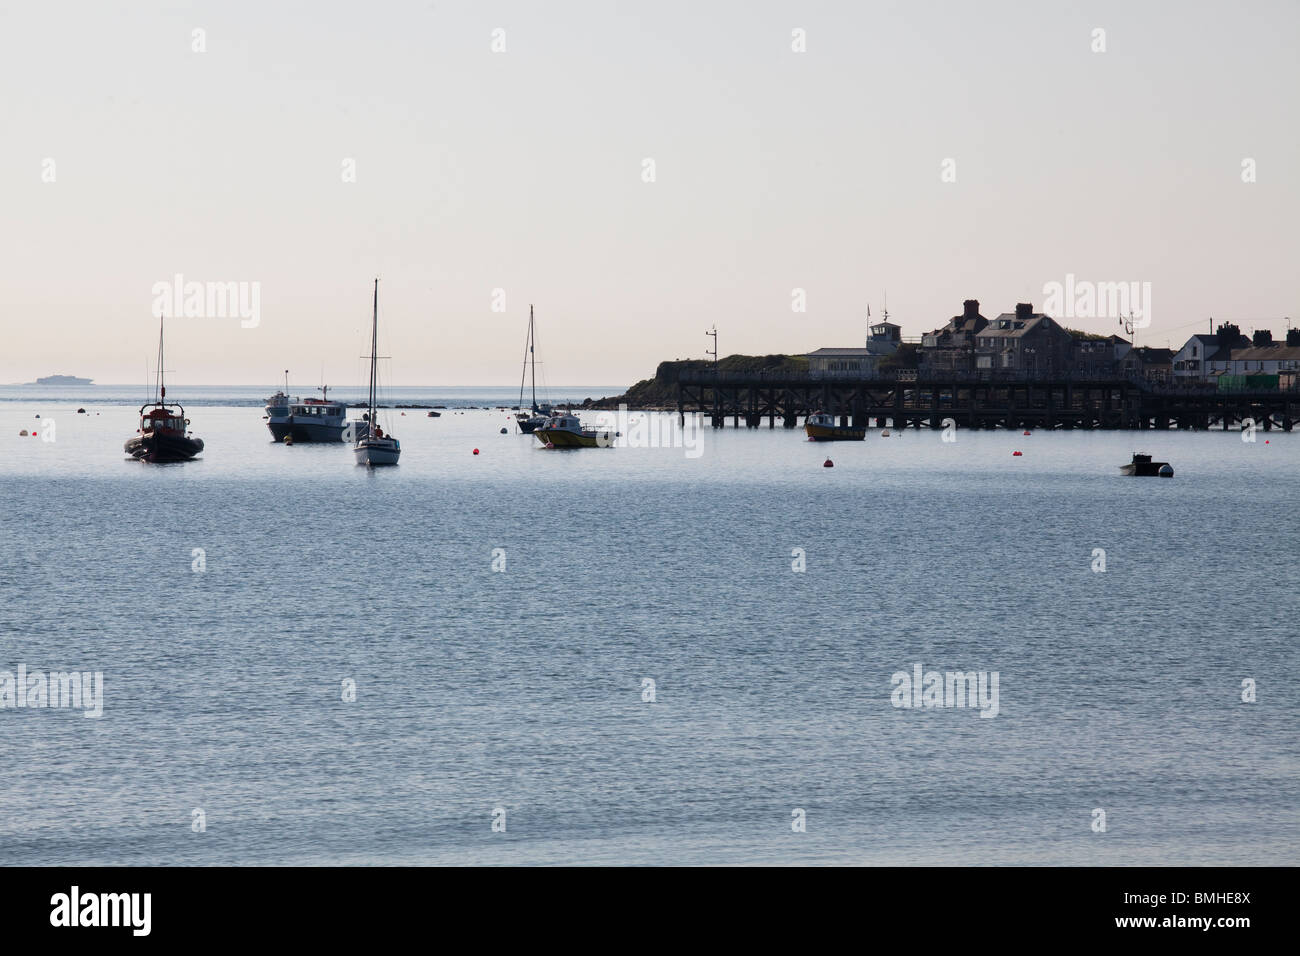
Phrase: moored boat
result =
(564, 430)
(311, 420)
(821, 427)
(376, 448)
(1143, 467)
(538, 415)
(162, 435)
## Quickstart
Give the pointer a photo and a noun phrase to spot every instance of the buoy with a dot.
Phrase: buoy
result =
(1015, 454)
(828, 463)
(1026, 431)
(38, 416)
(476, 451)
(1166, 471)
(23, 433)
(885, 433)
(288, 439)
(504, 432)
(81, 411)
(548, 445)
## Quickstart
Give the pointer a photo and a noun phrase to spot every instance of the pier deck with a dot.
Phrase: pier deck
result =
(970, 400)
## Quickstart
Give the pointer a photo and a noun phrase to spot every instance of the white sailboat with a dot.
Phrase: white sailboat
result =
(377, 448)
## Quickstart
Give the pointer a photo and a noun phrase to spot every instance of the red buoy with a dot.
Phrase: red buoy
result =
(828, 463)
(476, 451)
(1015, 454)
(1026, 431)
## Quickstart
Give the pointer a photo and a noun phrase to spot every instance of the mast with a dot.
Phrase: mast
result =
(162, 386)
(523, 368)
(532, 353)
(374, 350)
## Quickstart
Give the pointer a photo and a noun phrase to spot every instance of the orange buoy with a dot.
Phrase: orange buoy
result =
(828, 463)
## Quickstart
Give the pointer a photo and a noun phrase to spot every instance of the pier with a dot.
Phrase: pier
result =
(975, 400)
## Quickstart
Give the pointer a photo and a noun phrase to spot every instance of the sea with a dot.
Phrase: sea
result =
(696, 646)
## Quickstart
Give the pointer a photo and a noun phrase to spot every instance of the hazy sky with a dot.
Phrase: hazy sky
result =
(523, 171)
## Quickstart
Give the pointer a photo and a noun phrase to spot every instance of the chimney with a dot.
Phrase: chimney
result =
(1024, 310)
(1261, 337)
(1293, 336)
(970, 309)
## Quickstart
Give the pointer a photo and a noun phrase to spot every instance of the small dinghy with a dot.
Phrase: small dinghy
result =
(1143, 467)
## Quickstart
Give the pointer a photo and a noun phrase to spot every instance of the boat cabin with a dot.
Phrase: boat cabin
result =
(821, 418)
(564, 422)
(163, 418)
(315, 408)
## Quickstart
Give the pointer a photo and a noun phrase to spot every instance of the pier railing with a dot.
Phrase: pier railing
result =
(911, 378)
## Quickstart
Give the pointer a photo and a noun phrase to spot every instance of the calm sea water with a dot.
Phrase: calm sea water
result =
(522, 689)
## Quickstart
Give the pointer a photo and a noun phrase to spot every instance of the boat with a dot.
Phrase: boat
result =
(822, 427)
(540, 414)
(564, 430)
(376, 448)
(1143, 467)
(312, 419)
(162, 433)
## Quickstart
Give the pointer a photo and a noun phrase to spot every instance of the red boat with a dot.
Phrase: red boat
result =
(162, 436)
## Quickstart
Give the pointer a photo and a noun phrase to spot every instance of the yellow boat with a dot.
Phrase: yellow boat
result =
(822, 427)
(563, 430)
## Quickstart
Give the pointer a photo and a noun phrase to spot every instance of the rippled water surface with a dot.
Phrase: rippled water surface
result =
(522, 689)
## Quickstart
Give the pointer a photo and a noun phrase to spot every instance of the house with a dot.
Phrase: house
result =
(1154, 365)
(1023, 340)
(1195, 361)
(1263, 360)
(952, 348)
(1190, 360)
(843, 361)
(1096, 356)
(883, 340)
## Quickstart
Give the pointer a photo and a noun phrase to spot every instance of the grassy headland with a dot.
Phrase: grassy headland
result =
(660, 393)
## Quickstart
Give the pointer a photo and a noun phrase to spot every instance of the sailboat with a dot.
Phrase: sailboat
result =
(540, 413)
(376, 448)
(162, 436)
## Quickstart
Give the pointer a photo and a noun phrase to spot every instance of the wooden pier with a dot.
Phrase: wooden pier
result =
(972, 401)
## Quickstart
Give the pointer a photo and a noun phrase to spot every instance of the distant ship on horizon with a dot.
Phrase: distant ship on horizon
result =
(61, 380)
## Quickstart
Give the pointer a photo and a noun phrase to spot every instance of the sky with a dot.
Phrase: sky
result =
(481, 156)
